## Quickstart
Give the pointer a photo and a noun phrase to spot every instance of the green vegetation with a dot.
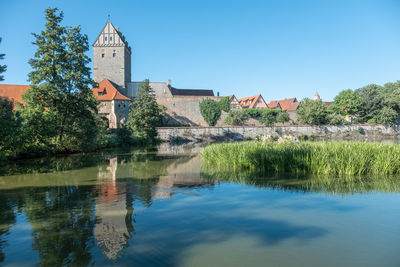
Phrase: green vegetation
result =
(312, 112)
(210, 110)
(2, 67)
(347, 102)
(224, 104)
(236, 117)
(145, 114)
(332, 158)
(282, 117)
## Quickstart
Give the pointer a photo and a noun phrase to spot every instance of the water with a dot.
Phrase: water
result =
(162, 209)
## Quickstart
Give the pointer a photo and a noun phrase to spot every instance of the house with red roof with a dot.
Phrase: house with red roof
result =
(256, 101)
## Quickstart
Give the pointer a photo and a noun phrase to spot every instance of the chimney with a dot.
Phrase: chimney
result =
(217, 93)
(169, 83)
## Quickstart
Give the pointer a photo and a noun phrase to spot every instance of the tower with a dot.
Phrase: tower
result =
(111, 56)
(317, 97)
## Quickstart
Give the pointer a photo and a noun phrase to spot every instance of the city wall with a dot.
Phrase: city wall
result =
(237, 133)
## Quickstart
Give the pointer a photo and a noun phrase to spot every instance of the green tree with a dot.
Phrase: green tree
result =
(60, 92)
(268, 117)
(2, 67)
(391, 95)
(9, 127)
(347, 102)
(224, 104)
(210, 111)
(282, 116)
(236, 117)
(372, 102)
(145, 114)
(312, 112)
(335, 119)
(387, 116)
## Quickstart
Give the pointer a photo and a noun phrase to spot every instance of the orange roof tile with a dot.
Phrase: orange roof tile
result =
(250, 101)
(107, 91)
(13, 92)
(289, 104)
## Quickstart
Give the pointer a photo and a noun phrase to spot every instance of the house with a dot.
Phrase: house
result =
(13, 92)
(234, 102)
(288, 104)
(256, 101)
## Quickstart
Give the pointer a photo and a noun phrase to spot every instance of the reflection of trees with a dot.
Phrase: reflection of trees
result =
(311, 183)
(7, 218)
(62, 219)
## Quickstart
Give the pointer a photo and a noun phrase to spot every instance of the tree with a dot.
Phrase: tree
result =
(145, 114)
(9, 130)
(312, 112)
(387, 116)
(236, 117)
(224, 104)
(372, 102)
(2, 67)
(347, 102)
(268, 117)
(335, 119)
(283, 116)
(210, 111)
(60, 91)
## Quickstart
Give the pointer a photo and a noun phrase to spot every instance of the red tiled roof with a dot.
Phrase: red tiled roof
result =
(13, 92)
(107, 91)
(250, 101)
(289, 104)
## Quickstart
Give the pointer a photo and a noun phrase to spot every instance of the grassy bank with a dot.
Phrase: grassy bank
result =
(327, 158)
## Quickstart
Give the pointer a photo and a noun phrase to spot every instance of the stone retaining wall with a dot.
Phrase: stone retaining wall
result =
(235, 133)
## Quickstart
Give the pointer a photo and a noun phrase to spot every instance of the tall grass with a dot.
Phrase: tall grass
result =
(326, 158)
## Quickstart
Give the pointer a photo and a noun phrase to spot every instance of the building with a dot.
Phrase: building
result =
(112, 61)
(234, 102)
(256, 101)
(288, 104)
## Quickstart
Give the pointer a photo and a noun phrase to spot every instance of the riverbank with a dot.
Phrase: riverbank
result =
(322, 158)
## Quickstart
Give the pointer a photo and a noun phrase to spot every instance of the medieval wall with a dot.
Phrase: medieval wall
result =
(349, 132)
(184, 110)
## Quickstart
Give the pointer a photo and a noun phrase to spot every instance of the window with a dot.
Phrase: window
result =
(110, 38)
(114, 54)
(102, 54)
(105, 38)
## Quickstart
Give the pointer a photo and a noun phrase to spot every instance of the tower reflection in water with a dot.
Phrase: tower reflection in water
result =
(163, 177)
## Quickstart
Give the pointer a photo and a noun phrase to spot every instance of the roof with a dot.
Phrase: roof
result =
(107, 90)
(13, 92)
(191, 92)
(289, 104)
(327, 104)
(250, 101)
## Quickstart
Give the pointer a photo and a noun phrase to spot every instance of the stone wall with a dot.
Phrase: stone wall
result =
(236, 133)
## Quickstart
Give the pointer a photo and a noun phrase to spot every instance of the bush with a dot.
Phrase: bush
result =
(312, 112)
(283, 116)
(254, 113)
(236, 117)
(224, 104)
(335, 119)
(387, 116)
(268, 117)
(210, 111)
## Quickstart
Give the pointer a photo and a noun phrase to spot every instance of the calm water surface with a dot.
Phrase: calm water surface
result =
(163, 209)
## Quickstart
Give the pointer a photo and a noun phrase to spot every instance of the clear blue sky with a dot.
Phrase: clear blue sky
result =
(276, 48)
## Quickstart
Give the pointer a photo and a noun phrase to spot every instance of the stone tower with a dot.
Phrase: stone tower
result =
(112, 57)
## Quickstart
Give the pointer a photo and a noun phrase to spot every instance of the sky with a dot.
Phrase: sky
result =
(279, 48)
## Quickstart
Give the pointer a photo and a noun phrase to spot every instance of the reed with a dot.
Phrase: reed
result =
(323, 158)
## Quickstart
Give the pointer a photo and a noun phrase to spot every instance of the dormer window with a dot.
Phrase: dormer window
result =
(102, 92)
(102, 54)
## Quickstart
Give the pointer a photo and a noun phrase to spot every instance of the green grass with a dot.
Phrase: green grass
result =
(323, 158)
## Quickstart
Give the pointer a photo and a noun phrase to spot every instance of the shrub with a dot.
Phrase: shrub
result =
(360, 130)
(224, 104)
(312, 112)
(387, 116)
(236, 117)
(282, 117)
(210, 111)
(335, 119)
(269, 117)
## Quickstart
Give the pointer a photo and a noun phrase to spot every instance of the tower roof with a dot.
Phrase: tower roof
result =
(110, 36)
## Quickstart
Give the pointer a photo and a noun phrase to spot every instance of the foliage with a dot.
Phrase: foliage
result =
(312, 112)
(254, 112)
(236, 117)
(347, 102)
(282, 117)
(268, 117)
(387, 116)
(2, 67)
(210, 110)
(371, 102)
(60, 98)
(145, 114)
(224, 104)
(335, 119)
(9, 127)
(322, 158)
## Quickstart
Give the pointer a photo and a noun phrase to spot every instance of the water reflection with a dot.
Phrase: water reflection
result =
(145, 206)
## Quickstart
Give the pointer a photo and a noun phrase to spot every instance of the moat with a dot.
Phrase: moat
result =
(161, 208)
